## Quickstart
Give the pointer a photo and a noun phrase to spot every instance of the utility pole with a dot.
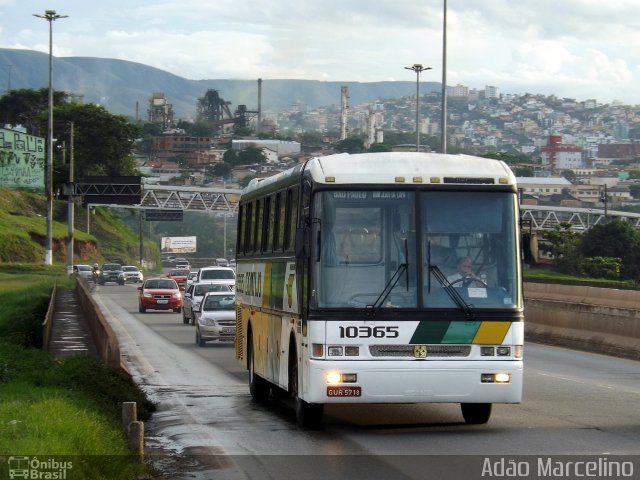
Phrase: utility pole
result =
(605, 198)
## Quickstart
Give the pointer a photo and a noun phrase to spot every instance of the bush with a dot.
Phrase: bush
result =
(601, 267)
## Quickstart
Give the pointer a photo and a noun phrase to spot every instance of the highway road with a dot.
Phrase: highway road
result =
(576, 405)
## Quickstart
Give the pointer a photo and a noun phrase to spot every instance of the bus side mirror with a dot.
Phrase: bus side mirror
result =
(302, 243)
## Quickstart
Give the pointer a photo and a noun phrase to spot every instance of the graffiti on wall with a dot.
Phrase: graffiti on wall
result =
(22, 160)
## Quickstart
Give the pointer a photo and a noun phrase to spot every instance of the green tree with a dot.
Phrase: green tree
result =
(563, 244)
(635, 190)
(350, 145)
(251, 156)
(311, 138)
(242, 131)
(152, 129)
(28, 107)
(523, 171)
(196, 129)
(230, 157)
(221, 170)
(103, 142)
(380, 147)
(615, 239)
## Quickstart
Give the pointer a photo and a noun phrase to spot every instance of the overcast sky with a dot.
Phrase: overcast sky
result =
(581, 49)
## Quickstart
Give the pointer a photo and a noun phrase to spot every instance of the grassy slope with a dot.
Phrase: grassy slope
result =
(23, 229)
(58, 406)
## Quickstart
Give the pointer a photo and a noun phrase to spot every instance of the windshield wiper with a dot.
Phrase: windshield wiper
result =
(451, 291)
(377, 305)
(395, 278)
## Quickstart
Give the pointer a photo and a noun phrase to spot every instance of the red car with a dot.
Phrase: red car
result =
(160, 294)
(179, 275)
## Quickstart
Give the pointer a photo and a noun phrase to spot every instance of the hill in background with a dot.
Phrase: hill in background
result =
(119, 85)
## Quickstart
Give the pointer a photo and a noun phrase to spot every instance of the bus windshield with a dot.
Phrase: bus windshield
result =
(415, 250)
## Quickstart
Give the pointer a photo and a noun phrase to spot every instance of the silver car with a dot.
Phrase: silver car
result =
(132, 274)
(85, 271)
(194, 295)
(216, 318)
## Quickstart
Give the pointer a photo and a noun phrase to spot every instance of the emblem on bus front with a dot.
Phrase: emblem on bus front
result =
(420, 351)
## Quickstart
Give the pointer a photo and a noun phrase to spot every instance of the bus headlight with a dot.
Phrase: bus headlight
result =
(495, 378)
(333, 378)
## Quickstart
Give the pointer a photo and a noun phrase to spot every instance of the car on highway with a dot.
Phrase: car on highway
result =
(183, 264)
(216, 318)
(159, 294)
(132, 274)
(111, 272)
(179, 275)
(84, 271)
(220, 275)
(193, 275)
(194, 295)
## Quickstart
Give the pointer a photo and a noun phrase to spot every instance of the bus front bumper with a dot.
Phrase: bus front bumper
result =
(415, 382)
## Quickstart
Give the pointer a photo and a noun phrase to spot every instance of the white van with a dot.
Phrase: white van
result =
(222, 275)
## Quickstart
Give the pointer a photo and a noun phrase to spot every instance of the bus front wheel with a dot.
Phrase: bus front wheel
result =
(258, 386)
(476, 413)
(308, 415)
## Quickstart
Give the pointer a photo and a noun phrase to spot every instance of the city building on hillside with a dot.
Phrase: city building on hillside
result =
(281, 147)
(162, 170)
(543, 186)
(556, 156)
(618, 151)
(206, 157)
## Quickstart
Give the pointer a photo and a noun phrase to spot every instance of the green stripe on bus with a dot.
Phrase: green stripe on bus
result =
(278, 270)
(461, 332)
(443, 331)
(429, 332)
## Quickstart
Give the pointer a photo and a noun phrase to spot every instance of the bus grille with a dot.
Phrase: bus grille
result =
(433, 351)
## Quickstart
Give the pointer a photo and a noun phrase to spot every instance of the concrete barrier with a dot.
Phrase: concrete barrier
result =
(104, 338)
(601, 320)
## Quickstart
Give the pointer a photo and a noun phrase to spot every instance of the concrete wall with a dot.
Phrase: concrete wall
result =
(104, 338)
(594, 319)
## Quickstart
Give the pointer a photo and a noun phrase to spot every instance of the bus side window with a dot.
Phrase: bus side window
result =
(277, 223)
(249, 219)
(243, 224)
(266, 225)
(257, 234)
(292, 216)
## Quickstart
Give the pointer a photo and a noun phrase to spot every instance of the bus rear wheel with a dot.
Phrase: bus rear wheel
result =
(258, 386)
(476, 413)
(308, 415)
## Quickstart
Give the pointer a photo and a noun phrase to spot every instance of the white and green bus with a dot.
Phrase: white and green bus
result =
(347, 290)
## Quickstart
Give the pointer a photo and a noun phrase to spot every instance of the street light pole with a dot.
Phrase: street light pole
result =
(417, 67)
(70, 204)
(443, 122)
(50, 16)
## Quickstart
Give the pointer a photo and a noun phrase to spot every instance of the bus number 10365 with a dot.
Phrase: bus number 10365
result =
(365, 331)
